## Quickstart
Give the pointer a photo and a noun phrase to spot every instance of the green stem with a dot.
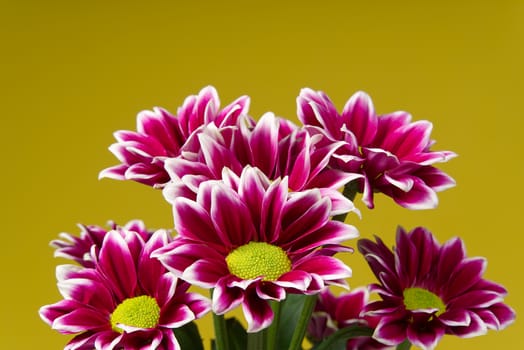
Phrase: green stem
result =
(303, 321)
(219, 323)
(350, 192)
(272, 331)
(405, 345)
(344, 334)
(256, 341)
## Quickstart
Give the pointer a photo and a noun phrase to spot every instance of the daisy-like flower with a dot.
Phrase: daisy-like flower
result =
(335, 312)
(253, 241)
(128, 300)
(429, 290)
(160, 135)
(274, 145)
(78, 248)
(391, 152)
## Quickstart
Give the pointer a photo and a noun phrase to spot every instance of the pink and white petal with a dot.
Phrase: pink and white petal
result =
(388, 123)
(475, 299)
(169, 342)
(198, 304)
(270, 291)
(231, 217)
(427, 338)
(420, 196)
(273, 204)
(230, 114)
(455, 317)
(475, 328)
(264, 143)
(466, 274)
(116, 172)
(118, 265)
(452, 253)
(435, 178)
(49, 313)
(166, 288)
(339, 203)
(87, 292)
(225, 298)
(312, 219)
(391, 331)
(257, 312)
(299, 280)
(80, 320)
(204, 273)
(328, 268)
(150, 269)
(504, 314)
(359, 117)
(414, 138)
(87, 340)
(333, 232)
(174, 315)
(195, 223)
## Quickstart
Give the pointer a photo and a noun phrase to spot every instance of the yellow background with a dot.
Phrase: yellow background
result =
(73, 72)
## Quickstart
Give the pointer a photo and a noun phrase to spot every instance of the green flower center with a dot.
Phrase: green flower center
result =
(419, 298)
(257, 259)
(139, 312)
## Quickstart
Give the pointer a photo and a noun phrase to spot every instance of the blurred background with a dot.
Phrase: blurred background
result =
(74, 72)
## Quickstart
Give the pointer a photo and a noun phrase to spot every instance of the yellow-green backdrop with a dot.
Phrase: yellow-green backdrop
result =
(72, 72)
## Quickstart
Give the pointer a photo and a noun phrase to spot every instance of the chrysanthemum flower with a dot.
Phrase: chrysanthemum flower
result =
(253, 241)
(274, 145)
(78, 248)
(127, 301)
(392, 153)
(335, 312)
(429, 290)
(160, 135)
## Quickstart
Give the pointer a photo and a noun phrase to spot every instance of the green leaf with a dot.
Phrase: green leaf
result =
(236, 334)
(189, 337)
(289, 315)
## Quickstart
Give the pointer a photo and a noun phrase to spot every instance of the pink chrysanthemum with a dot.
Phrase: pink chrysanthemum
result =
(78, 248)
(127, 301)
(391, 152)
(429, 290)
(160, 135)
(274, 145)
(335, 312)
(253, 241)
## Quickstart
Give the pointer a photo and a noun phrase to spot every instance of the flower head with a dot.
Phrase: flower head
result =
(253, 241)
(429, 290)
(391, 152)
(126, 301)
(274, 145)
(335, 312)
(78, 248)
(160, 136)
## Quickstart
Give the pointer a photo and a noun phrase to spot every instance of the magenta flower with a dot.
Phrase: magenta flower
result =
(128, 300)
(274, 145)
(392, 153)
(160, 136)
(429, 290)
(335, 312)
(79, 248)
(253, 241)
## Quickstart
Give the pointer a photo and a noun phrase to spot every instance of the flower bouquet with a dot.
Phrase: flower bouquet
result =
(259, 212)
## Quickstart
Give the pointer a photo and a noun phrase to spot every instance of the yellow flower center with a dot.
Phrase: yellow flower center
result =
(257, 259)
(140, 312)
(419, 298)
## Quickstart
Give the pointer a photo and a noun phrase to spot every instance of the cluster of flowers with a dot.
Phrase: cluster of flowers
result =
(259, 210)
